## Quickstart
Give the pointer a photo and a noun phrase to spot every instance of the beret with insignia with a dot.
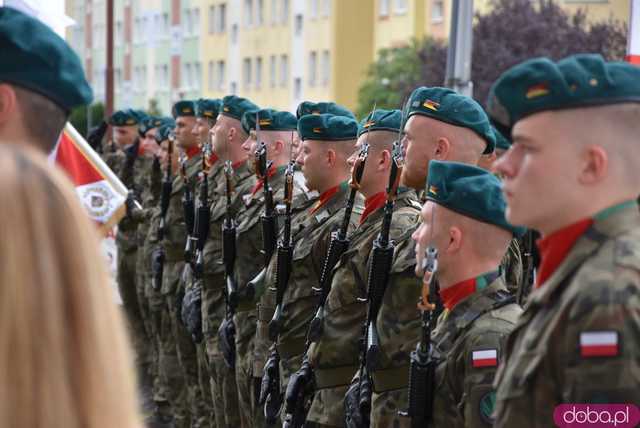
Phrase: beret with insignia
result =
(381, 120)
(470, 191)
(147, 124)
(209, 108)
(308, 107)
(164, 131)
(448, 106)
(270, 120)
(540, 84)
(126, 117)
(184, 108)
(235, 107)
(36, 58)
(327, 127)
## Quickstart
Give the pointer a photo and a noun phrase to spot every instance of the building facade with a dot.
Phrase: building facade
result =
(274, 52)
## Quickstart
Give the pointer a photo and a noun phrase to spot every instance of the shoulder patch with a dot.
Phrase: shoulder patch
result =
(599, 344)
(486, 405)
(484, 358)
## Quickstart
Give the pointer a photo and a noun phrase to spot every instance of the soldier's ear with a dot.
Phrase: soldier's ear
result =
(442, 149)
(384, 160)
(231, 133)
(455, 239)
(331, 157)
(594, 165)
(8, 103)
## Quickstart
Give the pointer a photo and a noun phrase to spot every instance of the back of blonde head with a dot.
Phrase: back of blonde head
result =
(64, 356)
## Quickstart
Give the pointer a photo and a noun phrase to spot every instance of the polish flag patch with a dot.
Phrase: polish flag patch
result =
(599, 344)
(485, 358)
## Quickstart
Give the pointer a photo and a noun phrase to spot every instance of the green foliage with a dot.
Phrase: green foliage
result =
(79, 117)
(154, 109)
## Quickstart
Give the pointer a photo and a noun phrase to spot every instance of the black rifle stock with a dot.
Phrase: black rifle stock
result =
(157, 262)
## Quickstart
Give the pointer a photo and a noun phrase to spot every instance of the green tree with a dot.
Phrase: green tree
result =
(154, 109)
(78, 117)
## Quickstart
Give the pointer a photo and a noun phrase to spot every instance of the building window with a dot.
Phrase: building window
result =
(222, 17)
(196, 22)
(246, 73)
(165, 76)
(313, 65)
(145, 29)
(297, 88)
(260, 13)
(284, 70)
(210, 80)
(326, 8)
(437, 11)
(197, 78)
(400, 6)
(188, 76)
(272, 71)
(221, 75)
(285, 12)
(248, 13)
(274, 12)
(212, 19)
(258, 72)
(298, 24)
(165, 24)
(384, 7)
(234, 33)
(187, 25)
(326, 68)
(234, 88)
(313, 9)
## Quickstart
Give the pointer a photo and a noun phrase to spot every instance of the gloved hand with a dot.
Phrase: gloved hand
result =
(131, 205)
(95, 136)
(157, 267)
(227, 342)
(270, 394)
(192, 312)
(356, 415)
(298, 394)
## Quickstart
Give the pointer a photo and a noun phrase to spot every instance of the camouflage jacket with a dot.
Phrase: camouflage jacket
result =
(335, 355)
(175, 233)
(468, 343)
(578, 340)
(311, 238)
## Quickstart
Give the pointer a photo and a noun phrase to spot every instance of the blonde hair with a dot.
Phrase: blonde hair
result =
(64, 355)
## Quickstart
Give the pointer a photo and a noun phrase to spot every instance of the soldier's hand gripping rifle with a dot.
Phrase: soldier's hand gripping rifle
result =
(188, 207)
(158, 256)
(192, 302)
(227, 329)
(423, 363)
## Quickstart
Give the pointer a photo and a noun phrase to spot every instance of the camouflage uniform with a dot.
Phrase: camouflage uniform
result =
(311, 237)
(223, 380)
(248, 262)
(334, 356)
(463, 395)
(595, 290)
(512, 267)
(174, 243)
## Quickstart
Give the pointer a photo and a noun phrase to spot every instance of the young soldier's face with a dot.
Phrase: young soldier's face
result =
(249, 145)
(124, 135)
(201, 129)
(184, 137)
(311, 159)
(148, 143)
(417, 147)
(539, 172)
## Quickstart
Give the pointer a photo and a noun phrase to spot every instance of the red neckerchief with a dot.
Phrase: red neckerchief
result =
(238, 164)
(451, 296)
(213, 158)
(325, 197)
(372, 204)
(192, 151)
(555, 247)
(272, 170)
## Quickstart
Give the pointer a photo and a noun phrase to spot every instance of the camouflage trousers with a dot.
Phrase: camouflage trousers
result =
(223, 380)
(327, 408)
(190, 359)
(251, 415)
(385, 407)
(142, 344)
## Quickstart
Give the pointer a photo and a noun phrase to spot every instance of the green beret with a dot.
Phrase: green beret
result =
(36, 58)
(308, 107)
(148, 123)
(327, 127)
(164, 131)
(470, 191)
(183, 108)
(501, 141)
(235, 107)
(540, 84)
(270, 120)
(127, 117)
(450, 107)
(381, 120)
(208, 108)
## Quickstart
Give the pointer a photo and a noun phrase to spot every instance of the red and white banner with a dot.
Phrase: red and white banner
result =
(485, 358)
(100, 191)
(633, 42)
(599, 344)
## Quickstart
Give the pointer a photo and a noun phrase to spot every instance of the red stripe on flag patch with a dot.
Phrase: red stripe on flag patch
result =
(599, 344)
(485, 358)
(633, 59)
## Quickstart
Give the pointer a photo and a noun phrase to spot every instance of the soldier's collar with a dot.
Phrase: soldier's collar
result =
(457, 293)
